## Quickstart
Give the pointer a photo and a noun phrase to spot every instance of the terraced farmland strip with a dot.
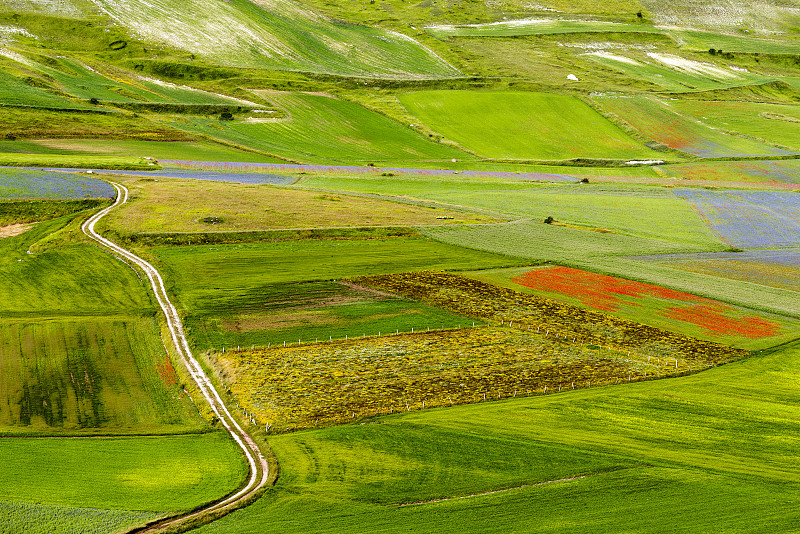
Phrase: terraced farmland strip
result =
(324, 129)
(675, 73)
(533, 126)
(535, 26)
(662, 122)
(779, 171)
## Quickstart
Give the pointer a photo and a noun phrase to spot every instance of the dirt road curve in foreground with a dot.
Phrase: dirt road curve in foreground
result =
(259, 469)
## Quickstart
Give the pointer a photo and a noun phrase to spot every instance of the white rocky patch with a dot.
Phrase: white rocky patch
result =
(614, 57)
(19, 58)
(690, 66)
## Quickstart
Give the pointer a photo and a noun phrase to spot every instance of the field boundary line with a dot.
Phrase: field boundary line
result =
(523, 486)
(256, 461)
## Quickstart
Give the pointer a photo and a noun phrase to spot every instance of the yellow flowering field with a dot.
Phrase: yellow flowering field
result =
(533, 346)
(473, 298)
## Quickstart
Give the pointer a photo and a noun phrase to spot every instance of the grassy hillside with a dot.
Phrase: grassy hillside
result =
(660, 121)
(322, 128)
(282, 35)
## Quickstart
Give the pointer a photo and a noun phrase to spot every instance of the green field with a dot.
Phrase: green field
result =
(514, 125)
(159, 205)
(771, 123)
(705, 41)
(664, 122)
(65, 278)
(15, 92)
(84, 374)
(324, 129)
(627, 210)
(179, 150)
(268, 293)
(101, 484)
(676, 455)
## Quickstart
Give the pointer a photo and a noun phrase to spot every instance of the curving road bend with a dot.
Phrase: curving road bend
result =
(259, 468)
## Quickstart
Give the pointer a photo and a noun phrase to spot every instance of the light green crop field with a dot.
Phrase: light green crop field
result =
(256, 293)
(636, 211)
(665, 123)
(704, 41)
(127, 473)
(515, 125)
(37, 518)
(179, 205)
(773, 123)
(179, 150)
(710, 452)
(324, 129)
(272, 35)
(65, 278)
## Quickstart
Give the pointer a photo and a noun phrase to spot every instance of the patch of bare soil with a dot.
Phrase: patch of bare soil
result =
(14, 229)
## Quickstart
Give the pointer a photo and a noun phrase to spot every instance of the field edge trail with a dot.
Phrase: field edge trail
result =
(257, 463)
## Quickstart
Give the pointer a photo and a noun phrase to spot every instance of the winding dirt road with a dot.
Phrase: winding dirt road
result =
(259, 468)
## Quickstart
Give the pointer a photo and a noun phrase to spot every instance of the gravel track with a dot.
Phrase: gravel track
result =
(258, 466)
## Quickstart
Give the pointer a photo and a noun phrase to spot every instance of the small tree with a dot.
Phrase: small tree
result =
(549, 220)
(226, 116)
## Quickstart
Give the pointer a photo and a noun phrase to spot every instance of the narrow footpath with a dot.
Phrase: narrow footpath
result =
(258, 466)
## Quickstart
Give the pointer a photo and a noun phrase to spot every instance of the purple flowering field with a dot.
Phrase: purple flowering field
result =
(24, 184)
(749, 219)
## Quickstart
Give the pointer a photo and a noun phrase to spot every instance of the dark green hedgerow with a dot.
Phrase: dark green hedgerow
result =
(218, 238)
